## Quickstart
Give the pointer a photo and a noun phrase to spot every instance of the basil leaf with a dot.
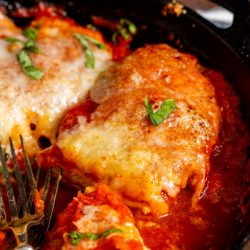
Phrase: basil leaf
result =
(76, 236)
(160, 115)
(13, 40)
(130, 25)
(109, 231)
(90, 60)
(148, 106)
(24, 59)
(6, 155)
(33, 72)
(91, 27)
(30, 46)
(125, 28)
(27, 66)
(92, 40)
(123, 32)
(132, 28)
(30, 33)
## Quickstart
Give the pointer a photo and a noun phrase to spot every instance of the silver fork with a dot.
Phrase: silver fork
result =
(21, 217)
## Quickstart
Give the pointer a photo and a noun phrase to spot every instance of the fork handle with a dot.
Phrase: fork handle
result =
(24, 247)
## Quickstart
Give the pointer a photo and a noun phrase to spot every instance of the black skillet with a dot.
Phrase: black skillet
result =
(225, 50)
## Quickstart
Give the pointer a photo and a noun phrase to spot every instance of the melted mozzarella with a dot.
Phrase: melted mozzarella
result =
(7, 27)
(121, 148)
(43, 102)
(117, 155)
(97, 219)
(96, 211)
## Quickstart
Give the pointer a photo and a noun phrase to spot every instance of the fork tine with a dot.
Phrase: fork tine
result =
(37, 175)
(19, 179)
(46, 184)
(49, 212)
(2, 209)
(28, 168)
(18, 204)
(9, 190)
(29, 172)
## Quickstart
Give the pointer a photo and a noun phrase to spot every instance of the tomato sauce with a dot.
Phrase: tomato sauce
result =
(121, 47)
(210, 225)
(85, 109)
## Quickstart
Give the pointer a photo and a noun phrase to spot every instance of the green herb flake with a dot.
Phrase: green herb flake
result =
(76, 236)
(123, 32)
(6, 155)
(132, 28)
(90, 59)
(23, 58)
(27, 66)
(167, 107)
(13, 40)
(91, 27)
(125, 28)
(92, 40)
(30, 33)
(30, 46)
(129, 25)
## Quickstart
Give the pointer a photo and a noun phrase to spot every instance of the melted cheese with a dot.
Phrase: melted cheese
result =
(116, 155)
(99, 218)
(121, 148)
(43, 102)
(7, 27)
(96, 211)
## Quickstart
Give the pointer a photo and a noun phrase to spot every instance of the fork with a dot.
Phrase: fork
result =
(20, 212)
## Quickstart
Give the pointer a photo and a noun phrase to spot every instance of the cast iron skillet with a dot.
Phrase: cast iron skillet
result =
(225, 50)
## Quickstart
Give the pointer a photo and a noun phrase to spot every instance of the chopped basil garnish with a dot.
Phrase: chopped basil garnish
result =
(30, 46)
(129, 25)
(27, 65)
(76, 236)
(160, 115)
(83, 39)
(90, 59)
(91, 27)
(30, 33)
(6, 155)
(23, 58)
(125, 28)
(92, 40)
(13, 40)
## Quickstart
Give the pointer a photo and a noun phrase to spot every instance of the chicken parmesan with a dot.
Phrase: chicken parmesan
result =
(44, 70)
(116, 144)
(97, 219)
(152, 144)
